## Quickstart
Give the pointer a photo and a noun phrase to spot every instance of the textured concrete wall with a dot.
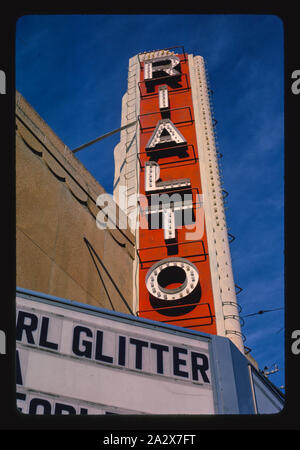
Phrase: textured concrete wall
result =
(59, 249)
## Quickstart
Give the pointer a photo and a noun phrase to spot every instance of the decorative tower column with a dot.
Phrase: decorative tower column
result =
(169, 165)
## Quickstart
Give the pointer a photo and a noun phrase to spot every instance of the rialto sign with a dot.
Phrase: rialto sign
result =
(174, 264)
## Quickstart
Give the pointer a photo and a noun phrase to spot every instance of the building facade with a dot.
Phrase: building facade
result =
(168, 164)
(59, 249)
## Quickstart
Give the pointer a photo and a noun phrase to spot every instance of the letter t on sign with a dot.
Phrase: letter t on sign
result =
(152, 172)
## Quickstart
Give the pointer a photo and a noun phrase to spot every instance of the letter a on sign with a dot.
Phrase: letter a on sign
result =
(165, 132)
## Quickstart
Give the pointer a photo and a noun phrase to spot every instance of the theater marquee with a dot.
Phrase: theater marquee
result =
(73, 358)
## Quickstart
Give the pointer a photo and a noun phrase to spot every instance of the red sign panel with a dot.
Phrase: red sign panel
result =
(174, 271)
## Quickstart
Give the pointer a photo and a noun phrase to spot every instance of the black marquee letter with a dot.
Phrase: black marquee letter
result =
(60, 407)
(87, 351)
(22, 316)
(159, 352)
(122, 350)
(178, 362)
(139, 347)
(44, 334)
(203, 367)
(36, 402)
(99, 349)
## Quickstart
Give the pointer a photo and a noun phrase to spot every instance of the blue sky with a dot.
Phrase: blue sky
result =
(72, 69)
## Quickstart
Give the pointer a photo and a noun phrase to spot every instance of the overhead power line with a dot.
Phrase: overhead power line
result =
(103, 136)
(262, 312)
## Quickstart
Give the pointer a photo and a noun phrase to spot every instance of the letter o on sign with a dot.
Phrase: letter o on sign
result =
(172, 279)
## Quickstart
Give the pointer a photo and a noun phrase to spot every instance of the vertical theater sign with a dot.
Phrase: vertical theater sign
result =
(182, 263)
